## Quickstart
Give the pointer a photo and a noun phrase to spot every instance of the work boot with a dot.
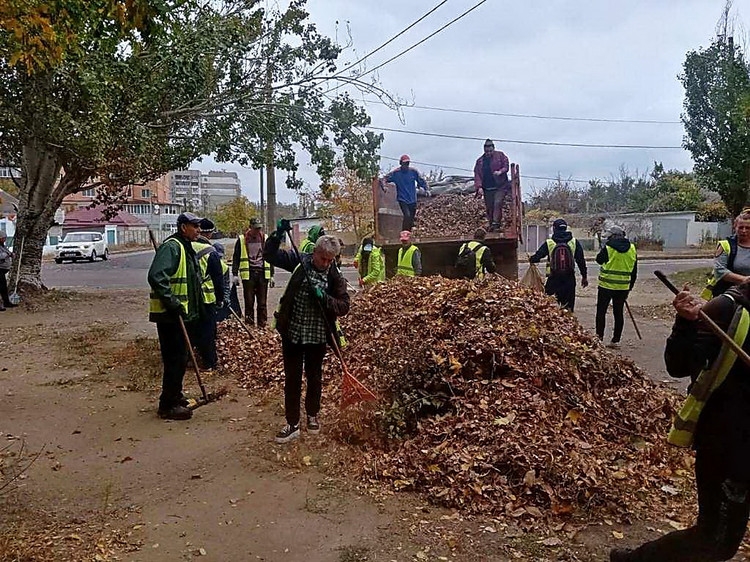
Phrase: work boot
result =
(614, 344)
(288, 433)
(620, 555)
(313, 426)
(178, 412)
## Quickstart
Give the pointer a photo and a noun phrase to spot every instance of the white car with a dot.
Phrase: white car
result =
(81, 246)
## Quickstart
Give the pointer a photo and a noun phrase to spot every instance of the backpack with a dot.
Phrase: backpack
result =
(561, 260)
(466, 263)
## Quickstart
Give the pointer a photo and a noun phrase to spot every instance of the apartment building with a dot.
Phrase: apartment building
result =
(218, 188)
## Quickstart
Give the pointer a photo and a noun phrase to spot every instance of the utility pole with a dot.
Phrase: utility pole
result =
(263, 204)
(270, 169)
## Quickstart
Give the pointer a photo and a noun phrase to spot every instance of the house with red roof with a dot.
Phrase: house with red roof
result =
(122, 228)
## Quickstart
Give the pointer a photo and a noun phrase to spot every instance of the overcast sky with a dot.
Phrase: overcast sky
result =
(557, 58)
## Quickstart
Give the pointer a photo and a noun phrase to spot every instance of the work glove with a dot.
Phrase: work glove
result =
(174, 307)
(584, 282)
(283, 225)
(235, 280)
(272, 282)
(319, 294)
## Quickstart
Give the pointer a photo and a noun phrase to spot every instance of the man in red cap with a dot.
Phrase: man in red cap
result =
(409, 257)
(407, 180)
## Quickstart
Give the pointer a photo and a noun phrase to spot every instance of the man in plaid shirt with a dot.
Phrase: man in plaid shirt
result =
(314, 297)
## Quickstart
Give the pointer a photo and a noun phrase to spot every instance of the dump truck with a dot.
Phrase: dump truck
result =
(440, 249)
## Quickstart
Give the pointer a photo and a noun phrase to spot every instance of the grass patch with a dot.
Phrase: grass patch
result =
(696, 277)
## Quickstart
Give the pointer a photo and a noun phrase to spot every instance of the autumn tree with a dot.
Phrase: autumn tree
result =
(347, 199)
(234, 217)
(105, 93)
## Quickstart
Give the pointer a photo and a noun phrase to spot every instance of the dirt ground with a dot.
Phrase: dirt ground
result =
(90, 473)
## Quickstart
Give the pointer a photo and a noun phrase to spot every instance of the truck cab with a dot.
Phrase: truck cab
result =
(440, 249)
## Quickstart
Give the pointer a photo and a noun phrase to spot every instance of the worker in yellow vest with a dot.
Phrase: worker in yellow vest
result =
(308, 244)
(370, 263)
(474, 258)
(212, 278)
(732, 258)
(715, 421)
(176, 292)
(256, 274)
(617, 275)
(409, 262)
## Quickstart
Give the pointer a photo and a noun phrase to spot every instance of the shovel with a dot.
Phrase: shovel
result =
(14, 297)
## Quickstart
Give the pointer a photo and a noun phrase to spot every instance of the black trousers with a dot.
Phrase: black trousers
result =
(255, 290)
(618, 298)
(174, 356)
(296, 357)
(203, 336)
(4, 287)
(723, 508)
(409, 210)
(564, 290)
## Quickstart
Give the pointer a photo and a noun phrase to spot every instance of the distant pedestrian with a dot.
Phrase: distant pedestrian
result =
(176, 291)
(407, 180)
(474, 258)
(563, 252)
(312, 301)
(491, 177)
(256, 274)
(409, 262)
(6, 261)
(222, 312)
(617, 275)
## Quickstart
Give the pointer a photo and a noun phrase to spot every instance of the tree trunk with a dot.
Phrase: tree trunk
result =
(41, 195)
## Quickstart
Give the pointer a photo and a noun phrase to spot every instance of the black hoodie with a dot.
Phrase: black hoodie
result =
(622, 245)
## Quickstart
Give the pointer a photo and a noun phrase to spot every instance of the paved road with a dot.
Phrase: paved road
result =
(128, 271)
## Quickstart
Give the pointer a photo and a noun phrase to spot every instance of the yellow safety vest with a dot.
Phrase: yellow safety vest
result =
(307, 246)
(405, 266)
(615, 274)
(244, 269)
(479, 250)
(686, 420)
(178, 284)
(708, 291)
(376, 260)
(551, 246)
(202, 251)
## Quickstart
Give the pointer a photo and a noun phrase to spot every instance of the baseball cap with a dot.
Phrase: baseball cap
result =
(614, 231)
(560, 225)
(189, 218)
(404, 158)
(404, 236)
(255, 222)
(207, 225)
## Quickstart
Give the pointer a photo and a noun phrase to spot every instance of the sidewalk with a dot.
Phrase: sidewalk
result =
(677, 254)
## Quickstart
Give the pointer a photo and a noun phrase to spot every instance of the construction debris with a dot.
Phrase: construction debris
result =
(493, 400)
(453, 214)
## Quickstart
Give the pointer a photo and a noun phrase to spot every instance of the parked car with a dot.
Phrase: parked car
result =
(82, 246)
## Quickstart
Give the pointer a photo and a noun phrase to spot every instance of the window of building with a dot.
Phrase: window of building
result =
(145, 193)
(89, 192)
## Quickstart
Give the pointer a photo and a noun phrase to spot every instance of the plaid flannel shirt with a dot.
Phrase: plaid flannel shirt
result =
(307, 325)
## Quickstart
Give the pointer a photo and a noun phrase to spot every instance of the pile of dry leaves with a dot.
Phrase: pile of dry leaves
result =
(452, 214)
(252, 356)
(493, 400)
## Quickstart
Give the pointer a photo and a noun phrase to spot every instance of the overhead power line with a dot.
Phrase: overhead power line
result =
(523, 176)
(391, 40)
(532, 116)
(512, 141)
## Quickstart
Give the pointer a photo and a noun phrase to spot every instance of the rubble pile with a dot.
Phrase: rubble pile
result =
(494, 400)
(453, 214)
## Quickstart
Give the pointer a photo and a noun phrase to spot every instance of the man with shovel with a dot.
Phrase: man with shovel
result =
(314, 297)
(175, 292)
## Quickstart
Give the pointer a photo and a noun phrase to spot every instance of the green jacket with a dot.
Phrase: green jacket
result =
(375, 266)
(163, 267)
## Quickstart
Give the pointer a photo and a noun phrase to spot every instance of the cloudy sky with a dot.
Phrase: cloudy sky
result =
(616, 60)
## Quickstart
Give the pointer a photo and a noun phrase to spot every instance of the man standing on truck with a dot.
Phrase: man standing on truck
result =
(409, 257)
(491, 176)
(561, 250)
(407, 180)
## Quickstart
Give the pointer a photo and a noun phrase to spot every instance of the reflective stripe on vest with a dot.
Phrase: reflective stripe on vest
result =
(307, 246)
(405, 266)
(202, 252)
(244, 269)
(708, 292)
(479, 250)
(684, 423)
(178, 284)
(615, 274)
(551, 246)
